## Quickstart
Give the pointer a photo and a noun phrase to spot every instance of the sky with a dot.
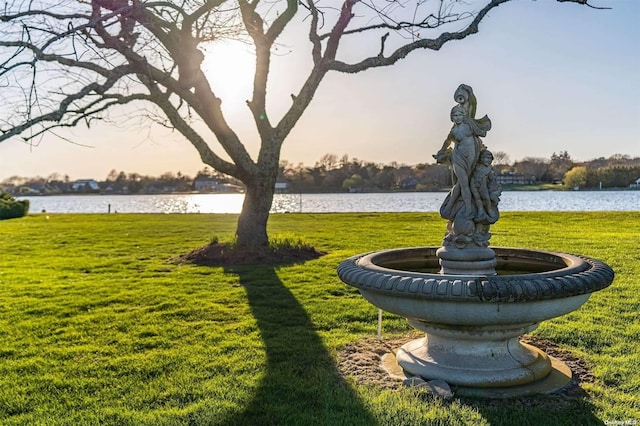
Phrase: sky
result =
(551, 76)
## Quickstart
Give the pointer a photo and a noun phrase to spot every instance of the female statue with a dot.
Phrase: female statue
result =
(465, 135)
(468, 207)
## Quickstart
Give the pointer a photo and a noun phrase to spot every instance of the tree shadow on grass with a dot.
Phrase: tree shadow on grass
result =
(302, 385)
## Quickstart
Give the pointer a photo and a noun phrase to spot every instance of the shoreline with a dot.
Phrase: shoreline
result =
(516, 189)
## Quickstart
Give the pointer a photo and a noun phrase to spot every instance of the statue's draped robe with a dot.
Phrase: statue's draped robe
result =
(464, 156)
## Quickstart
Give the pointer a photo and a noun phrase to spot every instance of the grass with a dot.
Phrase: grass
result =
(535, 187)
(99, 326)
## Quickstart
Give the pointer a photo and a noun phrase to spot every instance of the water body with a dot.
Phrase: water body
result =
(333, 203)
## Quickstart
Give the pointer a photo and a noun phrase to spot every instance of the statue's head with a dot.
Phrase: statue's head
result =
(486, 157)
(458, 114)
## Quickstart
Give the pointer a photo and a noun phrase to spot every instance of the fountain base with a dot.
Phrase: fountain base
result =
(499, 358)
(558, 379)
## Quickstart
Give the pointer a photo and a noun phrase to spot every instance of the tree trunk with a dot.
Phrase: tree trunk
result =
(251, 232)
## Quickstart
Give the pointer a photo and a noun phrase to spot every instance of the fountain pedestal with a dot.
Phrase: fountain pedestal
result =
(499, 358)
(471, 261)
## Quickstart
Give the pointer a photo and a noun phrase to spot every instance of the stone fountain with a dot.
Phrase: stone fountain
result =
(474, 302)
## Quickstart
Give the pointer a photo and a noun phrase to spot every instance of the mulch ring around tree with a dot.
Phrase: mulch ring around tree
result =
(362, 361)
(221, 254)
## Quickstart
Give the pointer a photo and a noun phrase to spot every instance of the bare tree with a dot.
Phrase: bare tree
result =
(501, 158)
(70, 62)
(533, 167)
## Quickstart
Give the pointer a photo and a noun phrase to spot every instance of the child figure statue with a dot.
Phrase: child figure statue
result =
(485, 189)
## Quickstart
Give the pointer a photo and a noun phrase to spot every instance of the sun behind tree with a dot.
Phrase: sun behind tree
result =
(229, 66)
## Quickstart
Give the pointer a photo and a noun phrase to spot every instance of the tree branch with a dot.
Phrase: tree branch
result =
(254, 23)
(403, 51)
(57, 16)
(316, 50)
(308, 90)
(39, 55)
(89, 113)
(282, 21)
(58, 115)
(430, 22)
(584, 2)
(206, 154)
(346, 14)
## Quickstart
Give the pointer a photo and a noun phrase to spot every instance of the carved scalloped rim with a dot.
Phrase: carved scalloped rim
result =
(581, 275)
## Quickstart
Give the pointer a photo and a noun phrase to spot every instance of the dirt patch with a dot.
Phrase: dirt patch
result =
(362, 361)
(579, 368)
(221, 254)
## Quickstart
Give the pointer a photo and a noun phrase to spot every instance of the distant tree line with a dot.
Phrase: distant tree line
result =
(341, 174)
(334, 174)
(617, 171)
(118, 182)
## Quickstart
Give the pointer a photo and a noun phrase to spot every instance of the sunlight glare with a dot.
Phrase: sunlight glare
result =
(229, 66)
(215, 203)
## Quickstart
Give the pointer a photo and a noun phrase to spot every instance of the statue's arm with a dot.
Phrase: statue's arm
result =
(444, 155)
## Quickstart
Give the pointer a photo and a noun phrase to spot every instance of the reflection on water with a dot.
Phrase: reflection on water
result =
(331, 203)
(287, 203)
(215, 203)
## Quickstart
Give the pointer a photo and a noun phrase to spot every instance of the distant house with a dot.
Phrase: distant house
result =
(282, 187)
(159, 189)
(116, 188)
(511, 178)
(55, 187)
(409, 183)
(206, 184)
(28, 190)
(635, 185)
(85, 185)
(230, 188)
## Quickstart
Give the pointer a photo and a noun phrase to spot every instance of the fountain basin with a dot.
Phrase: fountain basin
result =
(472, 323)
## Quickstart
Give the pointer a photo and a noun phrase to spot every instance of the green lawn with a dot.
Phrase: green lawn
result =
(98, 326)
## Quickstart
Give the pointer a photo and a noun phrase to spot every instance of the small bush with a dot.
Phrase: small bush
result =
(282, 250)
(276, 243)
(11, 208)
(288, 241)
